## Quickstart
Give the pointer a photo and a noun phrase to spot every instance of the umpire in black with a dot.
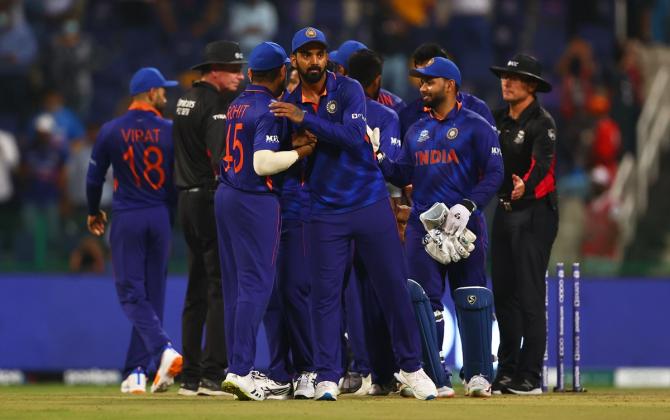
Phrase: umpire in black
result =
(524, 225)
(198, 134)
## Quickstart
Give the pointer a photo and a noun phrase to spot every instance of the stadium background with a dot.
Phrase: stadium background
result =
(65, 67)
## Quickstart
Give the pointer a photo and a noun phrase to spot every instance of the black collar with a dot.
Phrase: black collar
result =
(206, 85)
(526, 114)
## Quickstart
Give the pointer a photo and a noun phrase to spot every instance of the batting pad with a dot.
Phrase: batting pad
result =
(426, 320)
(474, 306)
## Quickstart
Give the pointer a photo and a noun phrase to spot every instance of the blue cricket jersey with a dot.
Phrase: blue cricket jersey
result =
(416, 110)
(448, 160)
(343, 174)
(250, 126)
(139, 147)
(391, 100)
(387, 121)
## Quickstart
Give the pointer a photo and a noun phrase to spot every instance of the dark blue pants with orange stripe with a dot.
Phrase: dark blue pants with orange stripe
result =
(140, 242)
(248, 227)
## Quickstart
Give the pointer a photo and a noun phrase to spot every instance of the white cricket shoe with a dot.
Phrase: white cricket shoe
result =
(445, 392)
(478, 386)
(171, 364)
(326, 391)
(245, 388)
(420, 384)
(135, 382)
(305, 386)
(272, 389)
(366, 385)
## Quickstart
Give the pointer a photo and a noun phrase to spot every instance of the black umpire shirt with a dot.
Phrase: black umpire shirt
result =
(198, 134)
(529, 150)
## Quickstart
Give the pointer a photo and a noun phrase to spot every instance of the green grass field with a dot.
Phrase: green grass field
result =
(88, 402)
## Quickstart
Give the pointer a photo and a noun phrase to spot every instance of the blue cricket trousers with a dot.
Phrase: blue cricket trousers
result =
(140, 242)
(373, 232)
(248, 226)
(287, 321)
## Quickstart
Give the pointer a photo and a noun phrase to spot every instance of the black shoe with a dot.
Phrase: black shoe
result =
(188, 388)
(525, 387)
(501, 385)
(210, 387)
(352, 382)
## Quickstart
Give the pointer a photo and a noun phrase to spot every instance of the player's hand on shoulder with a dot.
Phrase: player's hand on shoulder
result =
(96, 223)
(287, 110)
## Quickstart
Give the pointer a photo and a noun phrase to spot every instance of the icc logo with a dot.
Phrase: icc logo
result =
(472, 299)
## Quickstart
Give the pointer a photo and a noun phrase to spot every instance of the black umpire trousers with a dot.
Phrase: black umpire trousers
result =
(203, 305)
(520, 248)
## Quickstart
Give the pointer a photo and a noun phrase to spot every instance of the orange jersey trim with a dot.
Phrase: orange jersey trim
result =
(143, 106)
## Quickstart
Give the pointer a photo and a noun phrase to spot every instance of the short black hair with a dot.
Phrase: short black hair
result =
(265, 75)
(365, 66)
(428, 50)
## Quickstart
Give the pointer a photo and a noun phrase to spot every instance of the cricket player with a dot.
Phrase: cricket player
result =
(417, 109)
(248, 217)
(383, 129)
(288, 330)
(349, 204)
(139, 147)
(341, 58)
(354, 326)
(451, 156)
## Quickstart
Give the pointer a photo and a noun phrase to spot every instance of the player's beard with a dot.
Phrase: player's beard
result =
(312, 75)
(434, 101)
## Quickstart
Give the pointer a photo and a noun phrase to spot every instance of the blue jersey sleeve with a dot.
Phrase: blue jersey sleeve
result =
(399, 172)
(477, 106)
(269, 134)
(389, 142)
(97, 169)
(489, 159)
(349, 133)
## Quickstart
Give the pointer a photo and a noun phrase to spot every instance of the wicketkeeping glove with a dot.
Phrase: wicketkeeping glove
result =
(374, 136)
(434, 217)
(433, 242)
(457, 220)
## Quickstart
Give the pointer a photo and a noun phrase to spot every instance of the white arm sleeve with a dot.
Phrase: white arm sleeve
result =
(267, 162)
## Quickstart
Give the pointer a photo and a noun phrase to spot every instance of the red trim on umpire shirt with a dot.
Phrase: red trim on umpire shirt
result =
(547, 184)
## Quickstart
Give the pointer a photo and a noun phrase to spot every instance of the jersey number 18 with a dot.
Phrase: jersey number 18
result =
(150, 165)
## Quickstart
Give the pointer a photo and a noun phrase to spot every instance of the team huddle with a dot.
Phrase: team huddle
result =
(315, 238)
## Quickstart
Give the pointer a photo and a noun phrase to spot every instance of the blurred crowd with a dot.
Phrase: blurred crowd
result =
(65, 67)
